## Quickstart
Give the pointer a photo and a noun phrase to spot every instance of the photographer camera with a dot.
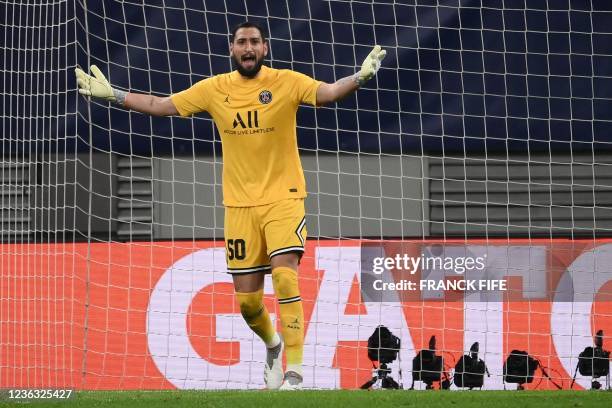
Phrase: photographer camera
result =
(470, 370)
(383, 347)
(520, 367)
(594, 362)
(429, 367)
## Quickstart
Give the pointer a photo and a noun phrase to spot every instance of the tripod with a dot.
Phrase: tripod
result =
(382, 379)
(595, 385)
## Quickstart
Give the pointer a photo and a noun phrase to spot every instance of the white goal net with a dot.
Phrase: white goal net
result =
(482, 141)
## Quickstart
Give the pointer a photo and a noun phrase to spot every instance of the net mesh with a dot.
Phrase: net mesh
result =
(487, 126)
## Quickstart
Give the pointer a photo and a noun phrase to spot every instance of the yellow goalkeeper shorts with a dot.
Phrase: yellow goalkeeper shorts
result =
(255, 234)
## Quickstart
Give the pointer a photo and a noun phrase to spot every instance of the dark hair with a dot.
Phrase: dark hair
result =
(247, 24)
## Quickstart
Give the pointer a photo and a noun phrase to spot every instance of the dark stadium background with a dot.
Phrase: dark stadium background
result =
(490, 80)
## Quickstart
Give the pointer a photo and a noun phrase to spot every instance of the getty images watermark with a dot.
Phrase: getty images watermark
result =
(404, 271)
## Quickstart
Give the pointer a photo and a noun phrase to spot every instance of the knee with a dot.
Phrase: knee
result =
(251, 304)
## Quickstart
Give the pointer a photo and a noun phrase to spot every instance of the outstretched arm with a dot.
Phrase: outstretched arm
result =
(151, 104)
(328, 93)
(99, 87)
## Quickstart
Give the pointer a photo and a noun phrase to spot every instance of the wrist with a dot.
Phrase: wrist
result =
(119, 96)
(358, 80)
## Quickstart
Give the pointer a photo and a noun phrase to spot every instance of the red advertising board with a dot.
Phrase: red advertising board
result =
(161, 315)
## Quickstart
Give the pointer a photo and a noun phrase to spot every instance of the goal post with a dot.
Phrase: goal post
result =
(483, 140)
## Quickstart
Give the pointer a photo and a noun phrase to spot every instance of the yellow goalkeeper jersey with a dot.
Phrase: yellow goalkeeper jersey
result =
(256, 119)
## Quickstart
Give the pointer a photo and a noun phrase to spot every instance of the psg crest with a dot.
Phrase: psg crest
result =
(265, 97)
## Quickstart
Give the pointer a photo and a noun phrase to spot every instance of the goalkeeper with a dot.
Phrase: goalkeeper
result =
(254, 109)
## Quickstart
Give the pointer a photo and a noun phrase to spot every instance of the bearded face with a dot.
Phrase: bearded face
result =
(248, 51)
(248, 65)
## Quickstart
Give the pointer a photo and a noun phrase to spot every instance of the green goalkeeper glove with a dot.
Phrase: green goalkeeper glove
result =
(98, 86)
(371, 64)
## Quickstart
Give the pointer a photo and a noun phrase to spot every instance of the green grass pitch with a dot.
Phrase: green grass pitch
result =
(352, 399)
